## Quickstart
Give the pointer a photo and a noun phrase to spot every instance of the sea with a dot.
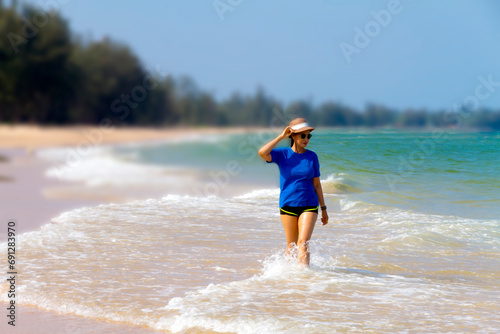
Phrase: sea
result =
(412, 245)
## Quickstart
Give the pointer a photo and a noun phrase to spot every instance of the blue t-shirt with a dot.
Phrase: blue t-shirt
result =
(297, 171)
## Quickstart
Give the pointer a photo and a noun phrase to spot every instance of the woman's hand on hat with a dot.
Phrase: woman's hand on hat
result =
(287, 132)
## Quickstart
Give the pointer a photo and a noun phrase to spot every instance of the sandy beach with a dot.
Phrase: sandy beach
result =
(34, 137)
(24, 198)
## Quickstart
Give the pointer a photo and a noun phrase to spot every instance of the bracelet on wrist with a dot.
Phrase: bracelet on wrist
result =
(323, 208)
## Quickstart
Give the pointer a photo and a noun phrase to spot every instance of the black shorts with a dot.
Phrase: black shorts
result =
(296, 211)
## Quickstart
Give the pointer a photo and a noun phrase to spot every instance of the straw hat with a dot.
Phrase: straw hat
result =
(300, 125)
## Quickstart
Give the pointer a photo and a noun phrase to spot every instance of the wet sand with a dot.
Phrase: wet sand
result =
(22, 200)
(22, 197)
(31, 320)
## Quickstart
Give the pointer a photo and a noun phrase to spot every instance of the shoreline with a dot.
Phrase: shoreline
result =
(32, 137)
(23, 199)
(22, 171)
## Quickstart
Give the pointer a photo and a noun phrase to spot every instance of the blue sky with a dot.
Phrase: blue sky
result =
(428, 53)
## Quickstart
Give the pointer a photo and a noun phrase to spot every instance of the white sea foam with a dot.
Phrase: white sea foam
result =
(106, 169)
(259, 196)
(294, 293)
(346, 204)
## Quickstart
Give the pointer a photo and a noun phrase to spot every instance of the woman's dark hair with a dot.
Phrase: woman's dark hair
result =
(291, 141)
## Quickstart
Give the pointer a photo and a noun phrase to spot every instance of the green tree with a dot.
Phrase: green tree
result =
(160, 105)
(377, 115)
(413, 118)
(230, 111)
(112, 78)
(49, 79)
(334, 114)
(11, 66)
(258, 110)
(35, 74)
(299, 109)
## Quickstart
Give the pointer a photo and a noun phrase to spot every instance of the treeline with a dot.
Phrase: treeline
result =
(48, 75)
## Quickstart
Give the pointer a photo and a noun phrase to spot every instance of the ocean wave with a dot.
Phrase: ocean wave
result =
(106, 175)
(332, 185)
(106, 163)
(259, 196)
(339, 183)
(110, 171)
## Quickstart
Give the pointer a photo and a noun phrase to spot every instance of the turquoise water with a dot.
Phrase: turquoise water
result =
(413, 243)
(449, 173)
(440, 173)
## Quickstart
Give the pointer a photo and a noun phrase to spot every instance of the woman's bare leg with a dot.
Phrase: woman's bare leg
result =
(306, 223)
(290, 224)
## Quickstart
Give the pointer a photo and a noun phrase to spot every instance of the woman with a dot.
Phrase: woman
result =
(299, 184)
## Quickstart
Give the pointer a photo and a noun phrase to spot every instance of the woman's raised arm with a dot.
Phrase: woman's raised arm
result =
(265, 151)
